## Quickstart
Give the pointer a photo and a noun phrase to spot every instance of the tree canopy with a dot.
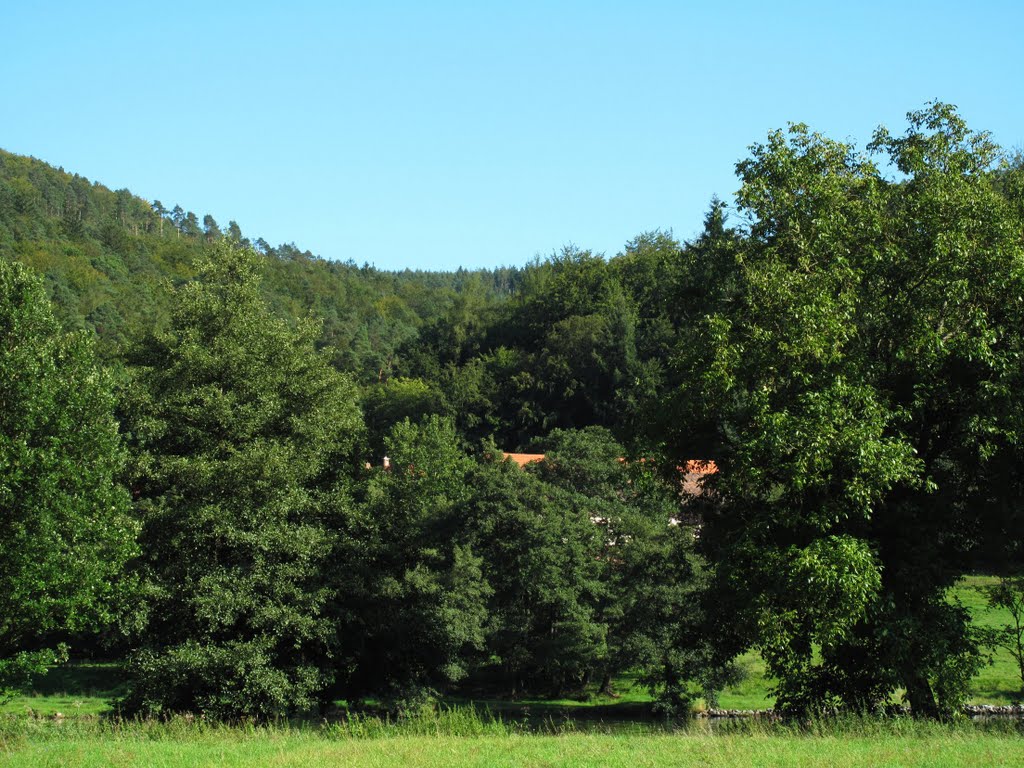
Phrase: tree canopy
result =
(859, 389)
(843, 340)
(65, 532)
(243, 435)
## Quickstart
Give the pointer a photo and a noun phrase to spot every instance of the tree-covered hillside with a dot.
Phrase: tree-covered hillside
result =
(105, 255)
(569, 341)
(847, 352)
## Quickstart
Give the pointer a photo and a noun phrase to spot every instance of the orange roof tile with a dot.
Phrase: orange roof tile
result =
(692, 466)
(699, 467)
(522, 459)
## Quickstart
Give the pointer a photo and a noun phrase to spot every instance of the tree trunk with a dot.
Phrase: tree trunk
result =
(921, 697)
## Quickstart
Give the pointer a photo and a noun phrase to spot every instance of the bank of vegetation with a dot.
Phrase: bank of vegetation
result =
(194, 425)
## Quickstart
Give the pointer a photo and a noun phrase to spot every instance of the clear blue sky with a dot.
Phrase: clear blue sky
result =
(441, 134)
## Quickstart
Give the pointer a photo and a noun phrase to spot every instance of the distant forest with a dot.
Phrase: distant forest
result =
(193, 425)
(513, 352)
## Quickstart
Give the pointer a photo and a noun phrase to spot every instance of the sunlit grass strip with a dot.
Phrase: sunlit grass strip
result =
(465, 735)
(169, 747)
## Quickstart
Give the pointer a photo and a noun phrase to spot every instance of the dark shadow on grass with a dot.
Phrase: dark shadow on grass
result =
(998, 693)
(105, 680)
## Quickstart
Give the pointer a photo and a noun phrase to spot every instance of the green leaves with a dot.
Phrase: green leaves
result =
(65, 529)
(859, 379)
(412, 596)
(244, 439)
(841, 577)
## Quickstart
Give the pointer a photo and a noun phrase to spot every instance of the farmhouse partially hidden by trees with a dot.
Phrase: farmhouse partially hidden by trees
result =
(828, 381)
(691, 474)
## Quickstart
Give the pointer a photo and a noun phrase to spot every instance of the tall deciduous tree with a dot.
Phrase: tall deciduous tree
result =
(541, 558)
(65, 531)
(413, 599)
(241, 430)
(862, 372)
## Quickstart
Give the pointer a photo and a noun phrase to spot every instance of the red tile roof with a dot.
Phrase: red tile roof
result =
(522, 459)
(693, 471)
(699, 467)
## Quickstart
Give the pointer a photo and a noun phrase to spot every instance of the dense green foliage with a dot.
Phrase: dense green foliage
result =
(847, 352)
(106, 255)
(65, 532)
(242, 435)
(861, 385)
(644, 574)
(412, 597)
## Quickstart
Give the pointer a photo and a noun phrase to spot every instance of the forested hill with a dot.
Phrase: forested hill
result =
(105, 253)
(510, 353)
(850, 359)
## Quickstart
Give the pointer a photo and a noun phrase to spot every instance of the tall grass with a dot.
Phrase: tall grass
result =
(463, 721)
(471, 722)
(468, 737)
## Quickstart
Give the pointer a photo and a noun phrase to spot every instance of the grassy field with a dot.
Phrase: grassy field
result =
(86, 689)
(600, 731)
(463, 740)
(1000, 682)
(72, 689)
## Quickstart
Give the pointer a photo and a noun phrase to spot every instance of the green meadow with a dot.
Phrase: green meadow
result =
(599, 731)
(461, 738)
